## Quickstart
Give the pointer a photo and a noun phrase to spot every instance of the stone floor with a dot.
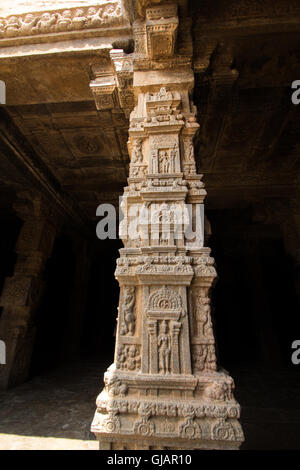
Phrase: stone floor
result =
(54, 411)
(270, 408)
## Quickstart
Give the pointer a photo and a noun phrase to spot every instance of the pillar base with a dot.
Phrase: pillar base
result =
(164, 444)
(177, 412)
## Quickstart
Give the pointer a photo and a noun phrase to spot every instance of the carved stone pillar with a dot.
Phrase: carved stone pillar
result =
(173, 395)
(22, 292)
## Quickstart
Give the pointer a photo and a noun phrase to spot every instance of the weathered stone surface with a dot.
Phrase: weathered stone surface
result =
(164, 386)
(49, 53)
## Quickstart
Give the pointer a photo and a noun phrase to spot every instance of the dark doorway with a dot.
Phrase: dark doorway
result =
(254, 293)
(52, 315)
(103, 297)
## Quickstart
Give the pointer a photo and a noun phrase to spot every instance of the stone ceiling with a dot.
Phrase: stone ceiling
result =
(248, 144)
(84, 148)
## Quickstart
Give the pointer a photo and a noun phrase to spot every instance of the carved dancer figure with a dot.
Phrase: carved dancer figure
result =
(28, 24)
(137, 152)
(190, 152)
(64, 21)
(79, 19)
(94, 17)
(111, 12)
(202, 314)
(46, 23)
(13, 26)
(164, 345)
(128, 325)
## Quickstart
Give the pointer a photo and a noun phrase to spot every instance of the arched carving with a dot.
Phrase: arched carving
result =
(165, 299)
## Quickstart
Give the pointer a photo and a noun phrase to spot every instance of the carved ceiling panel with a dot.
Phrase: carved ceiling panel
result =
(84, 149)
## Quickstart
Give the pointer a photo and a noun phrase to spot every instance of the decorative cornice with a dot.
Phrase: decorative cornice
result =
(59, 22)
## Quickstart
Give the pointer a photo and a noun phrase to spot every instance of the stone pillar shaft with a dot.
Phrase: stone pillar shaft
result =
(164, 388)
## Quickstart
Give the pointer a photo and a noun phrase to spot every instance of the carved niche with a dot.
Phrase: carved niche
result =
(164, 155)
(163, 313)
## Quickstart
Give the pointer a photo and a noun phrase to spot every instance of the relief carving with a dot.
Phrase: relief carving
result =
(114, 386)
(164, 348)
(73, 19)
(112, 422)
(219, 391)
(128, 357)
(128, 318)
(202, 317)
(204, 357)
(190, 430)
(137, 153)
(223, 431)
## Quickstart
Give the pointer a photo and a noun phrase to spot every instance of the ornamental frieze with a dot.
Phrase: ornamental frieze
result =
(62, 20)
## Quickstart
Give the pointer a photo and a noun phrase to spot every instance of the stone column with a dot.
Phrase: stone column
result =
(22, 292)
(177, 399)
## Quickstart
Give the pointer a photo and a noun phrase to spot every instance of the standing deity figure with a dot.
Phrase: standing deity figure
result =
(202, 313)
(128, 325)
(164, 345)
(164, 163)
(137, 154)
(190, 151)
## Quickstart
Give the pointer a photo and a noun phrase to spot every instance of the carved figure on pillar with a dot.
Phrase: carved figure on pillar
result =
(128, 324)
(164, 346)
